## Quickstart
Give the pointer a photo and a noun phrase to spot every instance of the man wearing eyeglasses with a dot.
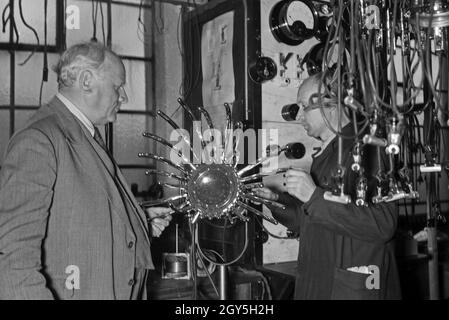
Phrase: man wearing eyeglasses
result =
(345, 250)
(70, 228)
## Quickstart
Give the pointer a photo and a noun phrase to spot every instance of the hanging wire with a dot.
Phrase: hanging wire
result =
(45, 67)
(160, 27)
(141, 29)
(11, 20)
(94, 20)
(32, 30)
(103, 33)
(239, 256)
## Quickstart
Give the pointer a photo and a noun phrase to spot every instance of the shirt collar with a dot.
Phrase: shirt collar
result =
(77, 113)
(326, 143)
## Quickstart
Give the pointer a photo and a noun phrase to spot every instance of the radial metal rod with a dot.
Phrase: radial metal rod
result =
(175, 126)
(253, 185)
(261, 160)
(194, 119)
(236, 144)
(210, 124)
(266, 202)
(207, 117)
(171, 186)
(195, 217)
(168, 144)
(153, 203)
(162, 159)
(257, 212)
(187, 109)
(256, 164)
(227, 130)
(168, 119)
(255, 176)
(239, 213)
(228, 115)
(165, 173)
(184, 207)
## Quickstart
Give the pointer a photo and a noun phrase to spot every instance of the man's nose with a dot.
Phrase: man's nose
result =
(123, 98)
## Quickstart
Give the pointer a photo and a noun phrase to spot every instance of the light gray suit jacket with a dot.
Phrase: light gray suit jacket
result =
(61, 212)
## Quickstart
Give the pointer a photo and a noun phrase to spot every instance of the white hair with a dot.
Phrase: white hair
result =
(80, 56)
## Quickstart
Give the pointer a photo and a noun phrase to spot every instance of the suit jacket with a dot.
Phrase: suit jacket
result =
(67, 230)
(336, 237)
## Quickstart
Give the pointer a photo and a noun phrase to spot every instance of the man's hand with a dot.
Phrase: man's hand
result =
(159, 218)
(265, 193)
(299, 184)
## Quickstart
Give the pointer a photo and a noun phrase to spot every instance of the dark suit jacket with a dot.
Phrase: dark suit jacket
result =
(60, 207)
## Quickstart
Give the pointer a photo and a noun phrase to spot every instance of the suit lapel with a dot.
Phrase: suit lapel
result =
(139, 211)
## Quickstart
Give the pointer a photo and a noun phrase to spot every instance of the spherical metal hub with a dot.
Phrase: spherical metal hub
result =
(213, 189)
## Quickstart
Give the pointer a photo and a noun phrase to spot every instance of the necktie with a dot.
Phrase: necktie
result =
(99, 140)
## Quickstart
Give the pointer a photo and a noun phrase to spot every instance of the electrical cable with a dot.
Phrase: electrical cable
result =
(45, 67)
(94, 20)
(141, 29)
(239, 256)
(11, 20)
(102, 22)
(32, 30)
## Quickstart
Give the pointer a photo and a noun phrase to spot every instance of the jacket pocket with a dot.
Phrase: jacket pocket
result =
(349, 285)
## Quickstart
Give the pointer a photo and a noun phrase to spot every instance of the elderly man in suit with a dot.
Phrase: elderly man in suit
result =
(70, 228)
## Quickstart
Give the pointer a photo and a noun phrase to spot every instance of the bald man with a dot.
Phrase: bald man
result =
(345, 251)
(70, 228)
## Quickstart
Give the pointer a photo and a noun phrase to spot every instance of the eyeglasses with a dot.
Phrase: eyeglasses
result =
(315, 103)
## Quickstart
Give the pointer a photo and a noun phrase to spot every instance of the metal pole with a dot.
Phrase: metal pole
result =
(223, 282)
(12, 70)
(193, 230)
(109, 127)
(432, 248)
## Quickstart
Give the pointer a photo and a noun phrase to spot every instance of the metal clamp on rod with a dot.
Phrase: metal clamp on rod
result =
(353, 103)
(394, 136)
(357, 153)
(397, 193)
(433, 168)
(362, 186)
(430, 164)
(338, 194)
(381, 186)
(371, 138)
(404, 174)
(342, 198)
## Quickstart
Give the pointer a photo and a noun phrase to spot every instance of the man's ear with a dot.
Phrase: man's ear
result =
(86, 80)
(332, 112)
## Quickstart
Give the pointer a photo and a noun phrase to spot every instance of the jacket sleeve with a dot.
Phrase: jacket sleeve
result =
(375, 223)
(26, 183)
(292, 216)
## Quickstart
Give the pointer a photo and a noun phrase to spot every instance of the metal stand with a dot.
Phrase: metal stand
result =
(193, 260)
(223, 282)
